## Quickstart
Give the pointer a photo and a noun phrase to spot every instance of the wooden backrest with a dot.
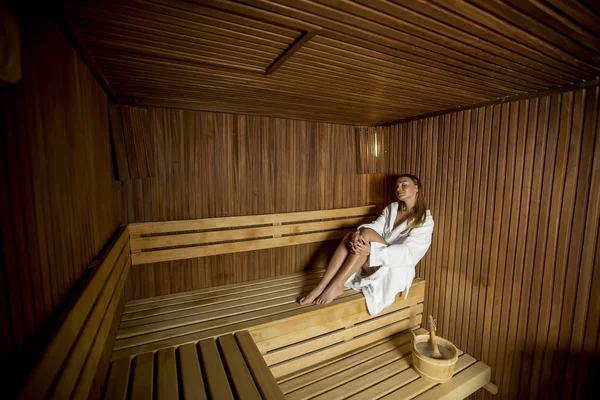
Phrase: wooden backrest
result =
(176, 240)
(68, 366)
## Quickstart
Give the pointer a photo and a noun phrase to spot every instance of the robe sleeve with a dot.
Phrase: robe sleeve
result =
(405, 254)
(379, 224)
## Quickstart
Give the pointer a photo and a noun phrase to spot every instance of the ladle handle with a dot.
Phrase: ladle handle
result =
(436, 351)
(432, 329)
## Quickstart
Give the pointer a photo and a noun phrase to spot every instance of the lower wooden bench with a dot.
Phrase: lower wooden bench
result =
(252, 340)
(228, 368)
(381, 370)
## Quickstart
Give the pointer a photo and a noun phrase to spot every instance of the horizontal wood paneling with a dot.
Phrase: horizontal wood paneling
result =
(513, 270)
(60, 202)
(371, 61)
(220, 165)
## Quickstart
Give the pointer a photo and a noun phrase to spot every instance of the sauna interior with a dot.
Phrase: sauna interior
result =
(117, 113)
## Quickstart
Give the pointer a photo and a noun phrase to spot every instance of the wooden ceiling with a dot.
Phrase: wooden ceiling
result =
(369, 62)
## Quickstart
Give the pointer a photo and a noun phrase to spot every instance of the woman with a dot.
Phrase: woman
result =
(387, 250)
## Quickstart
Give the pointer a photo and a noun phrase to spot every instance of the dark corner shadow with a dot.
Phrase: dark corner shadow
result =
(573, 375)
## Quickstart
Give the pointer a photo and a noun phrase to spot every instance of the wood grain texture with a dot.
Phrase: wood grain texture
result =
(61, 205)
(77, 349)
(512, 267)
(223, 165)
(133, 144)
(372, 61)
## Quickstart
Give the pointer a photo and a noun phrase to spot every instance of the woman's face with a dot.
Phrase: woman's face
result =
(406, 189)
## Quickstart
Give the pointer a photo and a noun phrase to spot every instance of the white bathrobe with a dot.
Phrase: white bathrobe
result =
(397, 260)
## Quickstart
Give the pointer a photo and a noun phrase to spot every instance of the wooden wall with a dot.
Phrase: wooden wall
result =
(58, 195)
(513, 272)
(214, 165)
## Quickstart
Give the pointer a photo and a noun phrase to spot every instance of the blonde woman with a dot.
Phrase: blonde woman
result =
(388, 249)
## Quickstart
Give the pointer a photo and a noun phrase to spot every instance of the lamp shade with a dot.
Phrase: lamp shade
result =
(370, 145)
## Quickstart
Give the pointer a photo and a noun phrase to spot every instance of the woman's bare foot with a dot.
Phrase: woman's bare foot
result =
(310, 299)
(329, 294)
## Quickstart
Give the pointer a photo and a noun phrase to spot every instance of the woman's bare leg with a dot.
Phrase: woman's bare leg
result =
(334, 265)
(336, 285)
(353, 263)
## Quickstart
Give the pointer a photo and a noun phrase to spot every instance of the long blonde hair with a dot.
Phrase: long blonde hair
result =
(419, 212)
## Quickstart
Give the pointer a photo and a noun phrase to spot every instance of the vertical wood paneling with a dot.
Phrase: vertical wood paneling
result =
(133, 142)
(513, 271)
(60, 202)
(583, 282)
(215, 165)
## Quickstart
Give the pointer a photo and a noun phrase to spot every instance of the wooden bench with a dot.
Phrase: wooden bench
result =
(333, 352)
(228, 368)
(246, 340)
(381, 370)
(80, 347)
(266, 313)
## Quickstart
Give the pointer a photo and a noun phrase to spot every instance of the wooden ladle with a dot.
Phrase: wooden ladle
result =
(436, 351)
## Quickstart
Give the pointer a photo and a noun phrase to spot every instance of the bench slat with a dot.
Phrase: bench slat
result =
(340, 335)
(285, 312)
(137, 229)
(186, 239)
(316, 357)
(118, 379)
(287, 331)
(215, 291)
(238, 371)
(167, 387)
(239, 289)
(461, 385)
(387, 386)
(212, 314)
(88, 373)
(277, 307)
(377, 364)
(44, 373)
(216, 378)
(363, 381)
(143, 376)
(219, 304)
(192, 382)
(234, 247)
(411, 384)
(263, 377)
(89, 334)
(358, 356)
(366, 379)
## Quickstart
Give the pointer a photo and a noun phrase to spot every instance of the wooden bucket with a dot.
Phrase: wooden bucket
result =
(437, 369)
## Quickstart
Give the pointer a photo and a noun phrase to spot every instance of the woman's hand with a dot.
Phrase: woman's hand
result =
(360, 246)
(354, 240)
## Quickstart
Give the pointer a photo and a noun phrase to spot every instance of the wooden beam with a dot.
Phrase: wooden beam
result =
(294, 47)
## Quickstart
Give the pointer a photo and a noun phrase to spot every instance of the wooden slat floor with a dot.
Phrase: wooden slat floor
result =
(382, 370)
(165, 321)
